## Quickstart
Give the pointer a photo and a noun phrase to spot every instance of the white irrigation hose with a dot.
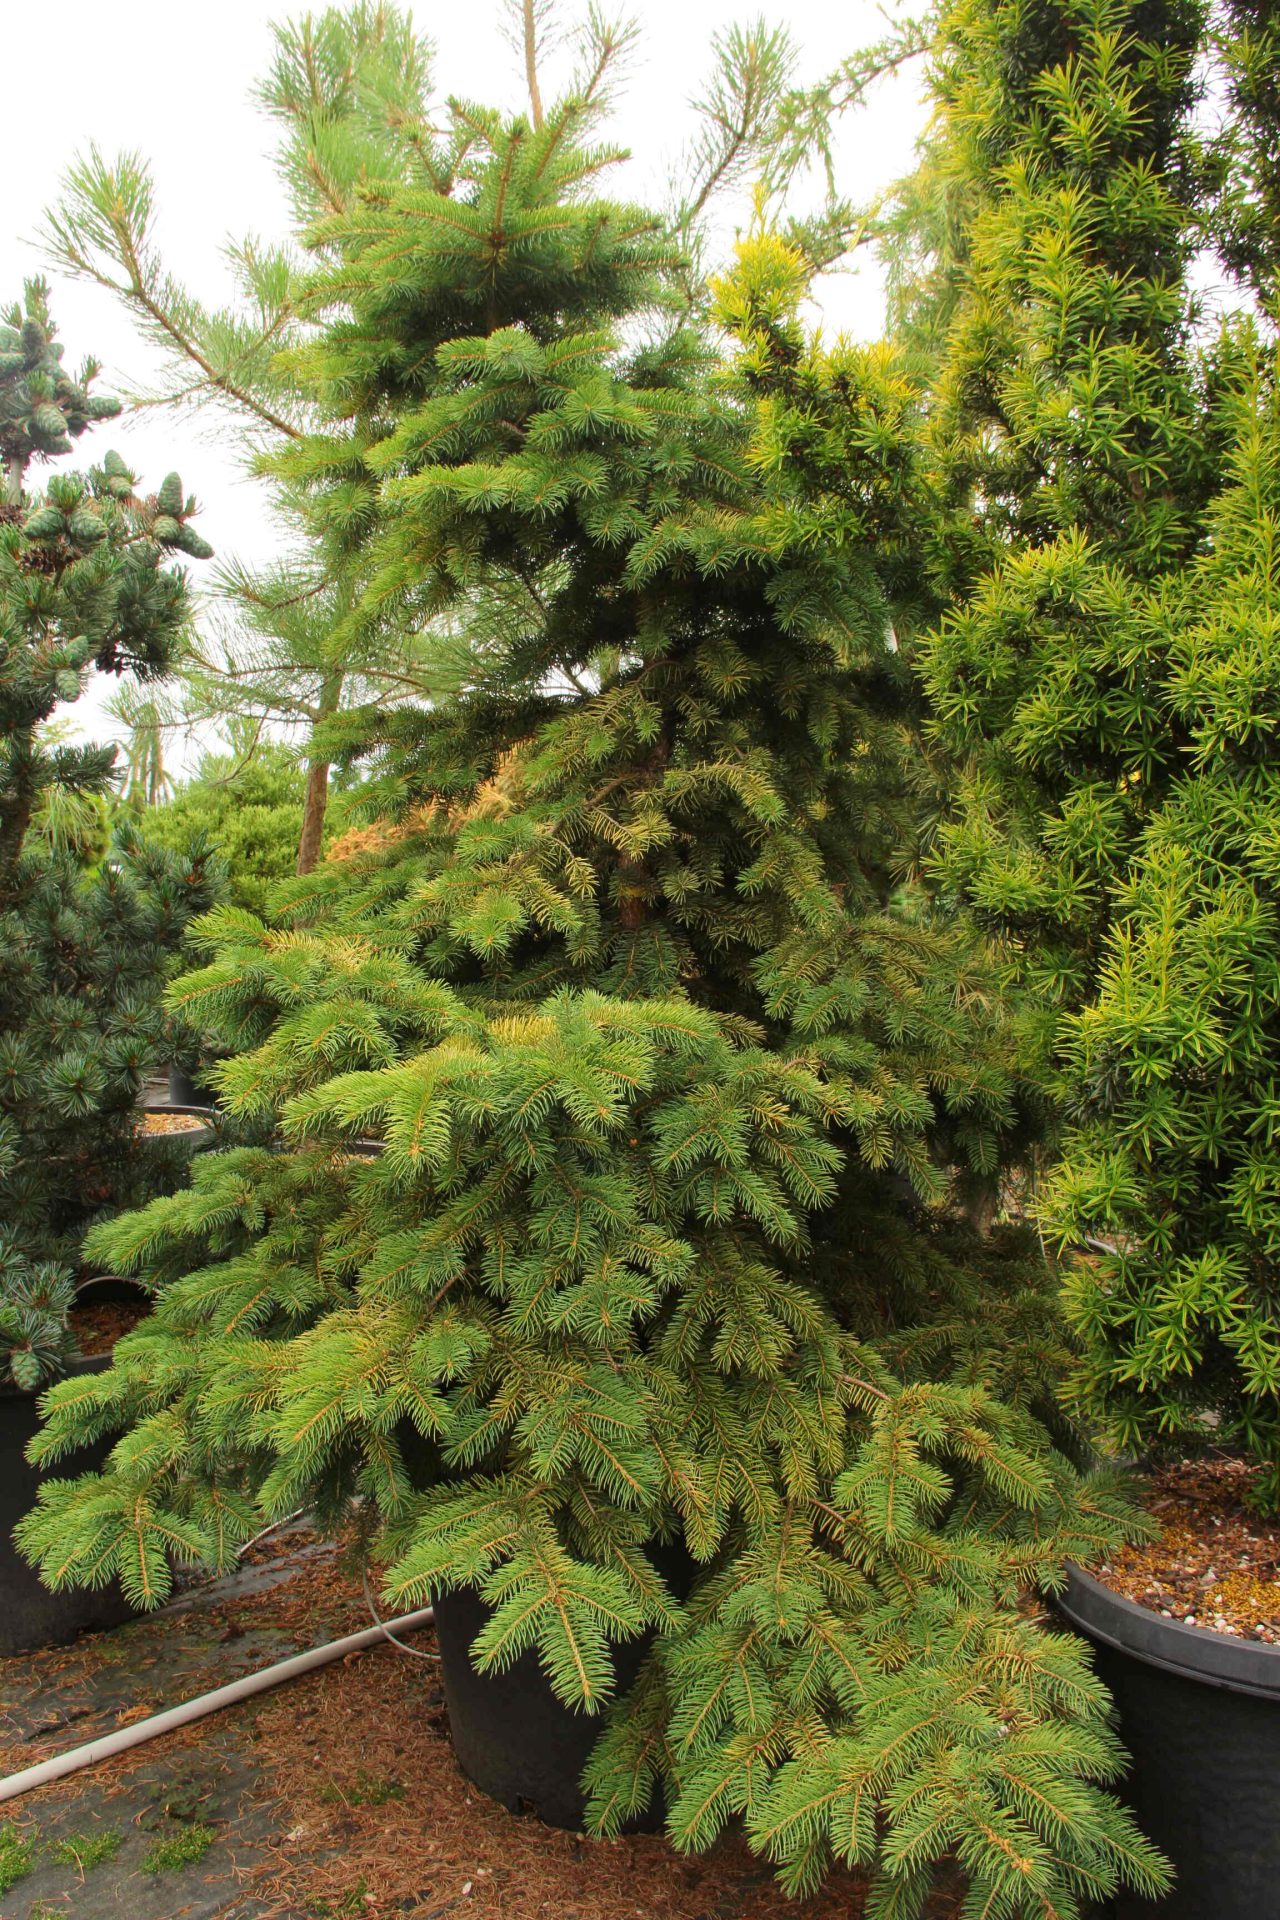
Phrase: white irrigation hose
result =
(206, 1703)
(386, 1626)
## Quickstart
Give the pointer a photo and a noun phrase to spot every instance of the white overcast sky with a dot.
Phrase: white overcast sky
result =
(173, 82)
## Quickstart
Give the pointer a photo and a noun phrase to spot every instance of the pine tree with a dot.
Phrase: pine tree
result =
(85, 582)
(673, 1087)
(145, 780)
(348, 94)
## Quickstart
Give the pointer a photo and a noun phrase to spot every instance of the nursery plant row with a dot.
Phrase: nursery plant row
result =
(722, 973)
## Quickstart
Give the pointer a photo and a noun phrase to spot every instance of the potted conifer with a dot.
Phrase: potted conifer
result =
(1170, 1173)
(1104, 681)
(85, 582)
(653, 1325)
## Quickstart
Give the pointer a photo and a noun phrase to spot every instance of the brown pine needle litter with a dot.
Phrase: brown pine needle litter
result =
(153, 1120)
(371, 1815)
(377, 1806)
(1216, 1563)
(98, 1326)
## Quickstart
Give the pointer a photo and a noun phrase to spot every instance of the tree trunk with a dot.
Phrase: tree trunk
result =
(314, 804)
(316, 799)
(531, 63)
(13, 827)
(16, 817)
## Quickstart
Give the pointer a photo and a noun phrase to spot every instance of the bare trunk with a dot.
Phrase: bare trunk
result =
(13, 831)
(531, 62)
(16, 817)
(980, 1206)
(316, 799)
(314, 804)
(13, 826)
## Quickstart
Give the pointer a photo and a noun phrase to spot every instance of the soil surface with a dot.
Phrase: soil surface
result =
(1215, 1563)
(335, 1795)
(98, 1327)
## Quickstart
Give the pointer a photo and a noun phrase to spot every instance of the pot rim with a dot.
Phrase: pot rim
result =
(110, 1280)
(1197, 1654)
(199, 1135)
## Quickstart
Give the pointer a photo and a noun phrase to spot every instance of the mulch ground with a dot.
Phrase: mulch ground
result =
(151, 1121)
(98, 1327)
(1215, 1563)
(336, 1795)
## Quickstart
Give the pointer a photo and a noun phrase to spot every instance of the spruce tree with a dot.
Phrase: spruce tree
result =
(622, 1097)
(349, 91)
(86, 581)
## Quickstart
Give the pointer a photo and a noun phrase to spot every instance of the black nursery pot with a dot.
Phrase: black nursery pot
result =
(1200, 1714)
(30, 1615)
(189, 1090)
(196, 1139)
(513, 1738)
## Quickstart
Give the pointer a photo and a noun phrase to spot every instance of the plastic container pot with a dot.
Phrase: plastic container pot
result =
(190, 1090)
(195, 1138)
(30, 1615)
(1200, 1715)
(514, 1740)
